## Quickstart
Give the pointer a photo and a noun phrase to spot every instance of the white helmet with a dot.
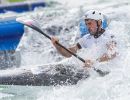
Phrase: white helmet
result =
(93, 14)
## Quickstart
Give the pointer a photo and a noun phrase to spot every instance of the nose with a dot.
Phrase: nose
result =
(91, 27)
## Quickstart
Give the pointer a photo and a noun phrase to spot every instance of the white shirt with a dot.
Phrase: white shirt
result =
(88, 40)
(96, 46)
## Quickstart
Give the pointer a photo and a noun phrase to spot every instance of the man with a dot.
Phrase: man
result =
(94, 21)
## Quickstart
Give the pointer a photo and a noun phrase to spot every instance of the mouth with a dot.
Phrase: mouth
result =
(91, 32)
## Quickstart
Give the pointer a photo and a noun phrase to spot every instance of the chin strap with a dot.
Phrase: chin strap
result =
(98, 33)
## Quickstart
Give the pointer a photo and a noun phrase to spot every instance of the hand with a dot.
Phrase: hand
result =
(54, 40)
(88, 63)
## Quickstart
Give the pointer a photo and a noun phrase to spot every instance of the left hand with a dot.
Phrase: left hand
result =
(88, 63)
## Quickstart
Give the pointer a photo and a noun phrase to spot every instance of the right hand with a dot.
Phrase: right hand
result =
(54, 40)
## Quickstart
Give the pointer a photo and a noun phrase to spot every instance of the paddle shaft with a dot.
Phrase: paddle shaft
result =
(81, 59)
(37, 29)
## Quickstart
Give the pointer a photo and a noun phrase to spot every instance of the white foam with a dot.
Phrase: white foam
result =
(37, 50)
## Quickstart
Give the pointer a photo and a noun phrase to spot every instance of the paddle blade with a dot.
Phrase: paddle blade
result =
(25, 21)
(32, 24)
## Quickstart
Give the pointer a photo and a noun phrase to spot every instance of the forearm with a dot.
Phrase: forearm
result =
(64, 52)
(106, 57)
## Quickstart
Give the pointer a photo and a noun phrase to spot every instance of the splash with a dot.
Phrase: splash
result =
(64, 19)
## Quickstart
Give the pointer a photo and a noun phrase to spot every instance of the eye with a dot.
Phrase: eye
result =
(89, 23)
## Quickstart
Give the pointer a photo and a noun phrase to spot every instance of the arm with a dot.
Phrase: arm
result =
(61, 50)
(111, 54)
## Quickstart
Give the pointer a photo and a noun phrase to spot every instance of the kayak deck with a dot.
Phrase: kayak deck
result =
(49, 75)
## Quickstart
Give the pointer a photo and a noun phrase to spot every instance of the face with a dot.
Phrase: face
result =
(92, 26)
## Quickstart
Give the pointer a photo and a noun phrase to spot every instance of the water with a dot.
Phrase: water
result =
(63, 19)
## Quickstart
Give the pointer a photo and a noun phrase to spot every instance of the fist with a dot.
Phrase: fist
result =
(54, 40)
(88, 63)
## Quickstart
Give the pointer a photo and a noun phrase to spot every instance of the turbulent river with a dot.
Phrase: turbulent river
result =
(61, 18)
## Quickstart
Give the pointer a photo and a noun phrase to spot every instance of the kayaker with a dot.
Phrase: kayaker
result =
(94, 34)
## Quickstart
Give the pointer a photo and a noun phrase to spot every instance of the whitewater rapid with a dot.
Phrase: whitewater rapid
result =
(62, 20)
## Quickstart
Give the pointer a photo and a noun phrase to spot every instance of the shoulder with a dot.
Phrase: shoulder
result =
(86, 41)
(109, 34)
(87, 37)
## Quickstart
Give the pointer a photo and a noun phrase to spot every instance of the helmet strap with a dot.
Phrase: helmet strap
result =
(99, 32)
